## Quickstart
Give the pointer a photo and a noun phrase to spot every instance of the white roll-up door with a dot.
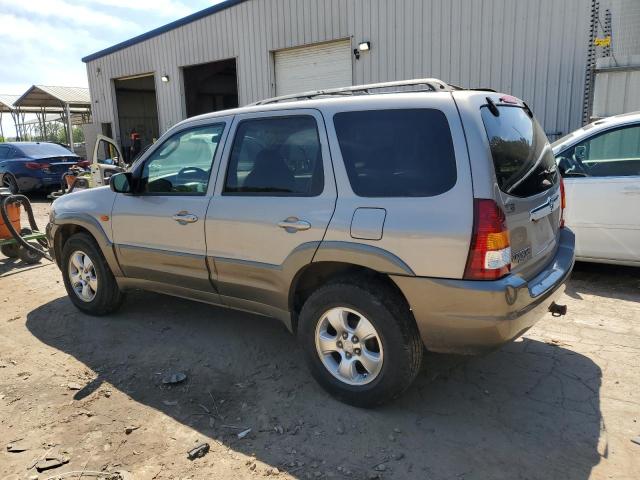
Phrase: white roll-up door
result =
(327, 65)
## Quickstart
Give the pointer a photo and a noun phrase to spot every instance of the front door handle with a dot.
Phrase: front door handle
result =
(185, 217)
(294, 224)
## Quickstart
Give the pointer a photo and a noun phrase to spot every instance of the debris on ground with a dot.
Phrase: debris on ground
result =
(173, 378)
(50, 462)
(170, 403)
(381, 467)
(74, 386)
(198, 451)
(131, 428)
(15, 447)
(636, 439)
(244, 433)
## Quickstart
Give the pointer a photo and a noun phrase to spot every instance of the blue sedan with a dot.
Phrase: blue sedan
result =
(30, 166)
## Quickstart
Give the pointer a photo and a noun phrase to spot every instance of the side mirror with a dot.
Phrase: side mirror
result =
(580, 152)
(121, 182)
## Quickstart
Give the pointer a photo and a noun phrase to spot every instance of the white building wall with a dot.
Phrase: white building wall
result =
(534, 49)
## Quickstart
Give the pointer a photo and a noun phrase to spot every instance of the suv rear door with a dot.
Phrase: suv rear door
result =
(525, 180)
(273, 200)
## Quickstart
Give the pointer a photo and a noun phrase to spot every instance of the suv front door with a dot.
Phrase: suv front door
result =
(273, 201)
(602, 181)
(159, 230)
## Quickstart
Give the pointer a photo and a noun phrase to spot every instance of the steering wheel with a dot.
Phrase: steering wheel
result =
(200, 173)
(576, 167)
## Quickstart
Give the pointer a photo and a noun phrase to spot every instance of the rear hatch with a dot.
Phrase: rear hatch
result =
(527, 182)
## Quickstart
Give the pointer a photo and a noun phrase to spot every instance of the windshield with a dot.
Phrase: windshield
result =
(522, 156)
(43, 150)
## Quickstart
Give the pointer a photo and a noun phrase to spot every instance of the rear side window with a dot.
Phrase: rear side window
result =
(277, 156)
(522, 157)
(397, 153)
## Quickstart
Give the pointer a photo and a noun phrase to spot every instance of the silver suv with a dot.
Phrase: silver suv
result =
(371, 224)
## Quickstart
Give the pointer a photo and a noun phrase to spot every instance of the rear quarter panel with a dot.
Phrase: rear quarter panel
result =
(431, 235)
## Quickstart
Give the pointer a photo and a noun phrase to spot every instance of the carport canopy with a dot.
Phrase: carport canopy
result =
(45, 99)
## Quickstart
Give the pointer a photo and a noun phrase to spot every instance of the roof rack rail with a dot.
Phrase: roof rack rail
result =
(432, 84)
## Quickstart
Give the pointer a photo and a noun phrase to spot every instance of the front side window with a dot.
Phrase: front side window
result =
(611, 154)
(397, 153)
(182, 164)
(278, 156)
(522, 157)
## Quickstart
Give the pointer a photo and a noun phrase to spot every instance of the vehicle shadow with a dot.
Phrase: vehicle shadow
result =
(529, 410)
(611, 281)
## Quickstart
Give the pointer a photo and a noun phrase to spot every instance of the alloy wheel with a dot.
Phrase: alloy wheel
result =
(82, 275)
(349, 346)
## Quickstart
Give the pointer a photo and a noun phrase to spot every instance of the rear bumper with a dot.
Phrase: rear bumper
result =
(468, 317)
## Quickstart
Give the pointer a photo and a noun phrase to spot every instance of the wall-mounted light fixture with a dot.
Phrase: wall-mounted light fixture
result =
(165, 78)
(362, 47)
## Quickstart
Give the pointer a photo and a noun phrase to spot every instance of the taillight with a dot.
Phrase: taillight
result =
(563, 202)
(490, 253)
(36, 166)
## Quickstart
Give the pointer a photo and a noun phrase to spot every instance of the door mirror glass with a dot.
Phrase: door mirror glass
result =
(121, 182)
(580, 152)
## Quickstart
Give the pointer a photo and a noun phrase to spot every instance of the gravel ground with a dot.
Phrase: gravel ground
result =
(562, 402)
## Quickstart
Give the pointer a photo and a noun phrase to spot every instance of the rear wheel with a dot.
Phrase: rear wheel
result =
(88, 279)
(361, 341)
(10, 182)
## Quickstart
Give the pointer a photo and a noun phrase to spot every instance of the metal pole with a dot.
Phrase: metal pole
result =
(69, 126)
(1, 129)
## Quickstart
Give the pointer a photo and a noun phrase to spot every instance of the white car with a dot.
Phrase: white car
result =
(600, 164)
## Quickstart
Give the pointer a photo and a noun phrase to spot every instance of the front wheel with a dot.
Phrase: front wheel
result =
(88, 279)
(361, 341)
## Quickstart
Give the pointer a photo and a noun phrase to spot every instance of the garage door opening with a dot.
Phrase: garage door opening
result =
(210, 87)
(313, 67)
(137, 114)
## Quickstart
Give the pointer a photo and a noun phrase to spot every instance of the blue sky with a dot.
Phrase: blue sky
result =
(42, 41)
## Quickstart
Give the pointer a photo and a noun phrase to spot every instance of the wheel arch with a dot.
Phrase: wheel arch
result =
(318, 273)
(68, 225)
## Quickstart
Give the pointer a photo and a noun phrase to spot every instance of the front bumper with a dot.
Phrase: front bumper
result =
(468, 317)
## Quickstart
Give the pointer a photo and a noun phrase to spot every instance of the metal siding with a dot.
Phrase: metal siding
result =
(534, 49)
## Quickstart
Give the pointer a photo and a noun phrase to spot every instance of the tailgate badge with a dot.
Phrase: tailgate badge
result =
(521, 255)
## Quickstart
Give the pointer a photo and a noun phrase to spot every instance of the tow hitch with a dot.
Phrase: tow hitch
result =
(557, 310)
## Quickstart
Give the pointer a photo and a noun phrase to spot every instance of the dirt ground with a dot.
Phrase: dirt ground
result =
(562, 402)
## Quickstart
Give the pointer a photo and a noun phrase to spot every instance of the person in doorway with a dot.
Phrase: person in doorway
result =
(136, 144)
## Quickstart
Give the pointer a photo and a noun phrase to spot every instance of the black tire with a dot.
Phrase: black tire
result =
(28, 256)
(108, 296)
(9, 181)
(11, 250)
(387, 311)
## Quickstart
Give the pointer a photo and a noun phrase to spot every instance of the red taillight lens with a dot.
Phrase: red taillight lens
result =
(490, 253)
(36, 165)
(563, 202)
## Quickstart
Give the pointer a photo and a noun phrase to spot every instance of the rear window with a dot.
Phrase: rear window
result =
(522, 156)
(397, 153)
(44, 150)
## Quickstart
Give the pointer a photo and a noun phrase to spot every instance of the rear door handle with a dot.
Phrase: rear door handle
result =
(185, 217)
(293, 224)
